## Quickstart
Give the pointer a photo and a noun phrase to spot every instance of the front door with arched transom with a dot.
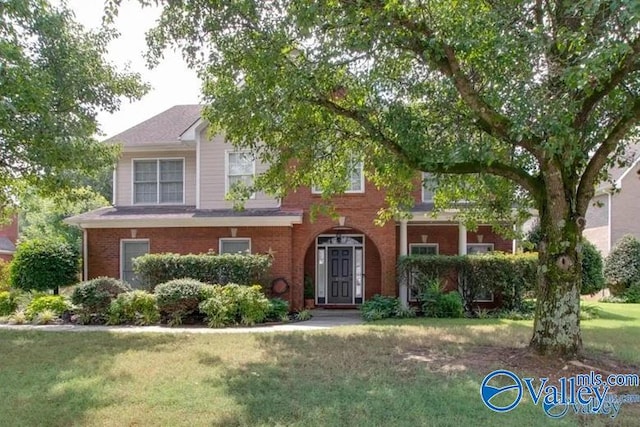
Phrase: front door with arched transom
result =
(340, 269)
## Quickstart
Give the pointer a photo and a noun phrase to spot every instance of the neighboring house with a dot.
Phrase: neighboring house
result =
(8, 238)
(612, 214)
(169, 196)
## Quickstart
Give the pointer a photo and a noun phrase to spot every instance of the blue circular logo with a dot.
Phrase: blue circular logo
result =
(488, 391)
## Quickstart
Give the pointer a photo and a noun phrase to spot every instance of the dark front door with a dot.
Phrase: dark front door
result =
(340, 276)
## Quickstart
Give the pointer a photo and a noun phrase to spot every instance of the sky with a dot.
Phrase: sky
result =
(171, 82)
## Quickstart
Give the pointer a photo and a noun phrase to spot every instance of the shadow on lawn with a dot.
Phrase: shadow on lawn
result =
(54, 382)
(364, 378)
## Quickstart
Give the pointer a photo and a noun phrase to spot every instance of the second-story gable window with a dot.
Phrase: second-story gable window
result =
(158, 181)
(427, 187)
(240, 169)
(355, 179)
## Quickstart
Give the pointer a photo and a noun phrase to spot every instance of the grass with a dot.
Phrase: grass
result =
(408, 372)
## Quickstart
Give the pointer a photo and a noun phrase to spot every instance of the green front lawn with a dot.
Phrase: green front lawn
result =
(401, 372)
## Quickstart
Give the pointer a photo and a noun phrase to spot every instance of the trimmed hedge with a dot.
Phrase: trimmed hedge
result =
(622, 266)
(42, 264)
(154, 269)
(178, 298)
(511, 276)
(94, 296)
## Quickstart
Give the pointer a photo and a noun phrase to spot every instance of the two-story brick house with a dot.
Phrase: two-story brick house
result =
(169, 196)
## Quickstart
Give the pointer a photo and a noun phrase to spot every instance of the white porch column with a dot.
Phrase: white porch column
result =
(462, 239)
(404, 289)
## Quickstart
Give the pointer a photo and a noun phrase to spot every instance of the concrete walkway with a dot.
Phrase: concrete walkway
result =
(322, 319)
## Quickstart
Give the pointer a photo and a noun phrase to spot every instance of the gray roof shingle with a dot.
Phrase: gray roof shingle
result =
(163, 128)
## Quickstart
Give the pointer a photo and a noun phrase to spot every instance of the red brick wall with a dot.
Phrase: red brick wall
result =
(104, 245)
(446, 236)
(360, 211)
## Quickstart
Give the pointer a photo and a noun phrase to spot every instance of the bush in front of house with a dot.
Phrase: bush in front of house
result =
(278, 309)
(178, 298)
(512, 276)
(7, 303)
(55, 303)
(379, 307)
(438, 303)
(135, 307)
(243, 269)
(632, 294)
(94, 297)
(43, 264)
(592, 277)
(233, 304)
(622, 265)
(4, 275)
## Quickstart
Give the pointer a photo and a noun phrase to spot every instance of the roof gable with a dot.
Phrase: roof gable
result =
(163, 128)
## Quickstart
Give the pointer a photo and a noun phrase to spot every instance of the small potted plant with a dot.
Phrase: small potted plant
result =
(309, 293)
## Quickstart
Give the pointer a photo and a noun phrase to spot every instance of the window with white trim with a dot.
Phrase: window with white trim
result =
(427, 187)
(130, 249)
(355, 177)
(240, 170)
(235, 245)
(158, 181)
(423, 249)
(483, 295)
(479, 248)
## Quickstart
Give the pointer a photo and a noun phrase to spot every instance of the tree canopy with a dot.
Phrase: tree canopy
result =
(505, 102)
(54, 79)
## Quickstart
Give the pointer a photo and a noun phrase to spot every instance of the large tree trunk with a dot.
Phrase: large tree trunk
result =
(556, 329)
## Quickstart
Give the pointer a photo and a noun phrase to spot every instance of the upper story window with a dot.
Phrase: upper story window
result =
(427, 187)
(158, 181)
(241, 167)
(355, 179)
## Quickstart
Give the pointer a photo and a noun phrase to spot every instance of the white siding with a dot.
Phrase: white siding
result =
(212, 176)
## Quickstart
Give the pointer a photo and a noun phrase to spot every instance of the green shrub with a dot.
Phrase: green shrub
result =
(94, 296)
(43, 265)
(234, 304)
(379, 307)
(4, 275)
(278, 309)
(622, 266)
(632, 295)
(55, 303)
(303, 315)
(511, 276)
(592, 277)
(405, 312)
(178, 298)
(136, 307)
(7, 303)
(436, 303)
(154, 269)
